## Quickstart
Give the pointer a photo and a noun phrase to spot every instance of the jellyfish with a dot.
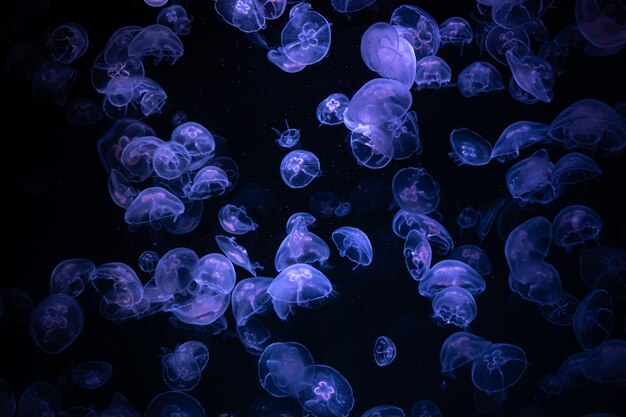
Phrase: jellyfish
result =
(574, 225)
(300, 246)
(529, 241)
(158, 41)
(474, 256)
(437, 235)
(425, 408)
(153, 205)
(91, 375)
(56, 323)
(533, 74)
(136, 158)
(117, 283)
(349, 6)
(562, 312)
(500, 40)
(67, 42)
(249, 297)
(530, 180)
(134, 96)
(468, 147)
(277, 57)
(305, 39)
(288, 138)
(515, 13)
(573, 168)
(39, 398)
(216, 272)
(299, 284)
(324, 204)
(459, 349)
(83, 112)
(537, 281)
(148, 261)
(387, 53)
(353, 244)
(519, 94)
(242, 14)
(210, 181)
(175, 17)
(179, 118)
(397, 138)
(299, 168)
(328, 393)
(155, 3)
(593, 319)
(417, 254)
(456, 31)
(197, 140)
(54, 79)
(343, 209)
(498, 368)
(468, 217)
(518, 136)
(604, 267)
(181, 371)
(285, 368)
(173, 404)
(70, 276)
(254, 336)
(606, 364)
(432, 72)
(417, 27)
(236, 220)
(451, 273)
(170, 160)
(479, 77)
(237, 253)
(363, 151)
(415, 190)
(601, 22)
(384, 411)
(454, 305)
(330, 110)
(295, 218)
(384, 351)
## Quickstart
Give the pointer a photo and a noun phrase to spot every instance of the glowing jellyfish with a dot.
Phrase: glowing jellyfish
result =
(468, 217)
(157, 41)
(328, 393)
(277, 57)
(456, 31)
(181, 370)
(530, 180)
(215, 271)
(468, 147)
(148, 261)
(515, 13)
(175, 17)
(152, 206)
(156, 3)
(417, 254)
(417, 27)
(235, 220)
(574, 225)
(197, 140)
(237, 253)
(288, 138)
(170, 160)
(349, 6)
(330, 110)
(604, 268)
(299, 168)
(479, 77)
(384, 411)
(500, 40)
(601, 22)
(353, 244)
(117, 283)
(295, 218)
(437, 235)
(529, 241)
(498, 368)
(210, 181)
(242, 14)
(67, 42)
(299, 284)
(432, 72)
(459, 349)
(474, 256)
(574, 168)
(593, 319)
(384, 351)
(415, 190)
(56, 323)
(91, 375)
(300, 246)
(174, 404)
(533, 74)
(518, 136)
(519, 94)
(250, 297)
(562, 312)
(425, 408)
(343, 209)
(454, 305)
(136, 158)
(537, 281)
(285, 368)
(70, 276)
(306, 38)
(451, 273)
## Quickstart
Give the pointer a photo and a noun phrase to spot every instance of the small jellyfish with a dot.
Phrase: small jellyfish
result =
(300, 246)
(459, 349)
(384, 411)
(384, 351)
(152, 206)
(92, 375)
(305, 39)
(425, 408)
(456, 31)
(330, 110)
(174, 404)
(237, 254)
(170, 160)
(197, 140)
(285, 368)
(70, 276)
(295, 218)
(417, 27)
(83, 112)
(175, 17)
(288, 138)
(353, 244)
(415, 190)
(518, 136)
(156, 3)
(533, 74)
(454, 305)
(467, 218)
(216, 272)
(593, 319)
(574, 225)
(210, 181)
(432, 72)
(324, 204)
(530, 180)
(343, 209)
(299, 168)
(181, 371)
(604, 268)
(299, 284)
(536, 281)
(179, 118)
(468, 147)
(474, 256)
(328, 393)
(56, 323)
(242, 14)
(235, 220)
(498, 368)
(158, 41)
(451, 273)
(417, 254)
(479, 77)
(148, 261)
(249, 297)
(67, 42)
(501, 40)
(562, 312)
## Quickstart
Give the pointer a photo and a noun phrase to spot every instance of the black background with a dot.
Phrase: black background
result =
(57, 207)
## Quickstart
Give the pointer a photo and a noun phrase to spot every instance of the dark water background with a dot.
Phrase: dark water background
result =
(57, 207)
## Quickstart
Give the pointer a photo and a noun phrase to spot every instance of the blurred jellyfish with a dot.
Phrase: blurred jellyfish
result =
(285, 368)
(467, 218)
(353, 244)
(417, 254)
(529, 241)
(459, 349)
(288, 138)
(562, 312)
(498, 368)
(91, 375)
(299, 168)
(237, 253)
(601, 22)
(415, 190)
(54, 79)
(330, 110)
(479, 77)
(328, 393)
(417, 27)
(235, 220)
(451, 273)
(425, 408)
(606, 364)
(456, 31)
(158, 41)
(324, 204)
(454, 305)
(305, 39)
(179, 118)
(39, 399)
(343, 209)
(474, 256)
(148, 261)
(277, 57)
(83, 112)
(300, 246)
(432, 72)
(536, 281)
(67, 42)
(468, 147)
(384, 351)
(56, 323)
(349, 6)
(604, 268)
(533, 74)
(174, 403)
(249, 297)
(70, 276)
(574, 225)
(437, 235)
(530, 180)
(515, 13)
(593, 319)
(384, 411)
(152, 206)
(573, 168)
